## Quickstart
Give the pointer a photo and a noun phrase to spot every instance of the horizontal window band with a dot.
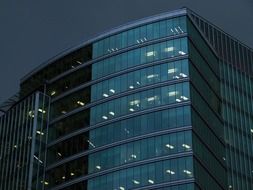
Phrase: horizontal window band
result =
(118, 143)
(130, 165)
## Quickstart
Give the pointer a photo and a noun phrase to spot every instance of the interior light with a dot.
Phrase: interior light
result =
(63, 177)
(151, 99)
(39, 132)
(112, 91)
(53, 93)
(170, 172)
(151, 53)
(151, 181)
(145, 39)
(131, 87)
(46, 183)
(31, 114)
(105, 95)
(72, 66)
(134, 102)
(176, 77)
(40, 161)
(91, 143)
(169, 49)
(59, 153)
(251, 130)
(171, 71)
(136, 182)
(186, 146)
(181, 53)
(98, 167)
(133, 156)
(152, 76)
(127, 131)
(121, 188)
(187, 172)
(171, 30)
(79, 62)
(184, 98)
(105, 117)
(176, 30)
(138, 41)
(111, 113)
(80, 103)
(131, 109)
(183, 75)
(224, 158)
(178, 100)
(230, 186)
(15, 146)
(138, 83)
(63, 112)
(180, 29)
(41, 110)
(173, 93)
(72, 174)
(169, 146)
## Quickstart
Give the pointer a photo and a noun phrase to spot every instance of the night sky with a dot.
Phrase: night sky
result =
(31, 32)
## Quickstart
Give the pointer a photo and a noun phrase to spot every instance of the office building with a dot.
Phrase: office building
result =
(160, 103)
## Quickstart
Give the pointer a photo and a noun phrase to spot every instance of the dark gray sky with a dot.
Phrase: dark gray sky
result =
(33, 31)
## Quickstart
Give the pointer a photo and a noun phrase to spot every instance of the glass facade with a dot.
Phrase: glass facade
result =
(163, 103)
(23, 131)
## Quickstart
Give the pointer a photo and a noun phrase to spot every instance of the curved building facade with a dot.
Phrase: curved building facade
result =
(142, 106)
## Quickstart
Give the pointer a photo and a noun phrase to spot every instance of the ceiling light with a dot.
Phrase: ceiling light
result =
(53, 93)
(105, 117)
(151, 98)
(183, 75)
(173, 93)
(151, 53)
(80, 103)
(111, 113)
(181, 53)
(131, 109)
(134, 102)
(178, 100)
(169, 146)
(136, 182)
(171, 71)
(186, 146)
(41, 110)
(151, 181)
(152, 76)
(131, 87)
(184, 98)
(133, 156)
(187, 172)
(170, 172)
(72, 174)
(98, 167)
(112, 91)
(105, 95)
(39, 132)
(169, 49)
